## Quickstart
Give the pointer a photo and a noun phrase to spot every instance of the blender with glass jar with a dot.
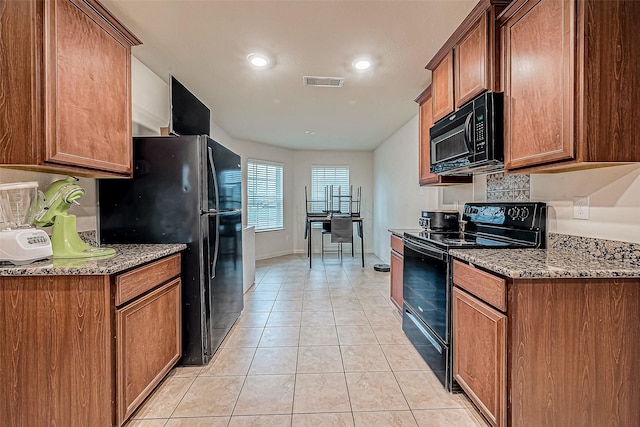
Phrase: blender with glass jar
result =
(20, 242)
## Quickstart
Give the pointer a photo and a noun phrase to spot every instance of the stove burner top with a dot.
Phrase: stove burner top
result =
(497, 225)
(453, 239)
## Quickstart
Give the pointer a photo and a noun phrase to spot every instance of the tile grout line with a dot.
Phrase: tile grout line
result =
(327, 286)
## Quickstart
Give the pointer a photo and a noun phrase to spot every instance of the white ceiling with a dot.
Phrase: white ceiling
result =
(205, 45)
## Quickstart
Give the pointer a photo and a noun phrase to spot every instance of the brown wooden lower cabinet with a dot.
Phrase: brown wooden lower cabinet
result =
(397, 264)
(70, 357)
(147, 345)
(572, 351)
(479, 354)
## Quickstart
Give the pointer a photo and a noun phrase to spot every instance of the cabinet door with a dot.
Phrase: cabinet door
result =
(426, 121)
(396, 279)
(87, 90)
(479, 354)
(442, 88)
(472, 69)
(148, 344)
(56, 358)
(539, 69)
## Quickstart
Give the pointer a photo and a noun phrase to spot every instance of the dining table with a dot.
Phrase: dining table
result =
(314, 219)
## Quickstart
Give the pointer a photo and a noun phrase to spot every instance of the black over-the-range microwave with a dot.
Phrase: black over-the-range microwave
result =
(469, 140)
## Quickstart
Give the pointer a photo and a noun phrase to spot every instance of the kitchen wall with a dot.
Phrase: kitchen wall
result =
(276, 242)
(297, 173)
(614, 194)
(614, 199)
(149, 100)
(360, 175)
(398, 196)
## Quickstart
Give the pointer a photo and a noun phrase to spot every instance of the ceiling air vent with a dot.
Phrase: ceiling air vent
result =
(323, 81)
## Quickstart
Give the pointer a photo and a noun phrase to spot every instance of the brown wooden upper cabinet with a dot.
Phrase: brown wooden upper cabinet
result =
(66, 95)
(426, 121)
(442, 87)
(473, 72)
(571, 84)
(466, 65)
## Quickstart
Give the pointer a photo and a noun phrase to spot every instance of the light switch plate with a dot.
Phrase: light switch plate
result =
(581, 208)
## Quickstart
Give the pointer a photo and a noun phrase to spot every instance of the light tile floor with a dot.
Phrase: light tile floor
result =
(313, 347)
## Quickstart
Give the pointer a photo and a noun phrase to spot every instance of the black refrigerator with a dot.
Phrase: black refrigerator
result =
(185, 189)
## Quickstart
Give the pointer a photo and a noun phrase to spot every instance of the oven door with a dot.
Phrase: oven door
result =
(426, 315)
(425, 285)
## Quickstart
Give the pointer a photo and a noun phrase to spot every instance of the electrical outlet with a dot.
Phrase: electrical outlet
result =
(581, 207)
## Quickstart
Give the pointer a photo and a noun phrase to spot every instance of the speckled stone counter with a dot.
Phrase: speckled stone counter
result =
(538, 263)
(566, 257)
(126, 257)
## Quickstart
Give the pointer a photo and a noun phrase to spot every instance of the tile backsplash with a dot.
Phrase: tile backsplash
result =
(508, 188)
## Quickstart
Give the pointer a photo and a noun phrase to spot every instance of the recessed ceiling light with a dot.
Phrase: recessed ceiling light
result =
(310, 132)
(362, 64)
(258, 60)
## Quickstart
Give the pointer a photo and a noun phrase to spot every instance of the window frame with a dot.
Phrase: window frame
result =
(265, 163)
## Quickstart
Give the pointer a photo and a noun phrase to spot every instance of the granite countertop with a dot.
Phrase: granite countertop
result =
(400, 231)
(542, 263)
(126, 257)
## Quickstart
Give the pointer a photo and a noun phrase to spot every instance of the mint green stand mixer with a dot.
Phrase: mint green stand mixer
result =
(66, 243)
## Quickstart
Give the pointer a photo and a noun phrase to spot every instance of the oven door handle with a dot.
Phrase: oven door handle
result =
(427, 334)
(426, 250)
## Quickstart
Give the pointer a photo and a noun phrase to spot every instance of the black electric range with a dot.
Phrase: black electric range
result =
(498, 225)
(427, 271)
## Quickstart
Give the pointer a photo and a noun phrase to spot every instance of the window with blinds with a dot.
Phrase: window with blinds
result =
(322, 178)
(264, 195)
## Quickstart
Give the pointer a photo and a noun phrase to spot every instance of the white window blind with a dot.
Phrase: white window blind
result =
(264, 195)
(322, 178)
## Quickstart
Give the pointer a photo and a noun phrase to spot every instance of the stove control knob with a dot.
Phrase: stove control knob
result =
(518, 213)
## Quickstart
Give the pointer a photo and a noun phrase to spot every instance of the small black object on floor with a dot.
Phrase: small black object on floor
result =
(381, 267)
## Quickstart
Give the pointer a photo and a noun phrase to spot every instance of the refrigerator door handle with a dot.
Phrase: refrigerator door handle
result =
(215, 176)
(216, 248)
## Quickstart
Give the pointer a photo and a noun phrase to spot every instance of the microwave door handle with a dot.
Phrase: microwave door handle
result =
(467, 132)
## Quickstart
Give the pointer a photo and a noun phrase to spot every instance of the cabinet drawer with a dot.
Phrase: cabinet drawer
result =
(396, 244)
(136, 282)
(148, 345)
(485, 286)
